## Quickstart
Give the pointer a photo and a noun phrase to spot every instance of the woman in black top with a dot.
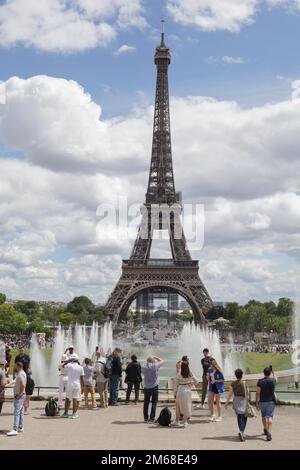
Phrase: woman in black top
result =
(133, 379)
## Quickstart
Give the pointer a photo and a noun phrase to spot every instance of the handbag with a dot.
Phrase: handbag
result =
(276, 400)
(250, 410)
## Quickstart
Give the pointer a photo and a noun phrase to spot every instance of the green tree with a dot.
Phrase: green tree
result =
(285, 307)
(101, 314)
(11, 321)
(66, 318)
(252, 302)
(130, 314)
(2, 298)
(231, 310)
(50, 313)
(83, 308)
(30, 308)
(252, 318)
(185, 315)
(215, 312)
(270, 307)
(36, 326)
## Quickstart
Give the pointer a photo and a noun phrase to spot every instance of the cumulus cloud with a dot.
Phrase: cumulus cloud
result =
(67, 26)
(236, 161)
(124, 49)
(63, 137)
(212, 15)
(230, 15)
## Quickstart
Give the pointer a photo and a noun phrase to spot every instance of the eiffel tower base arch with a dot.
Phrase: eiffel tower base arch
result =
(183, 280)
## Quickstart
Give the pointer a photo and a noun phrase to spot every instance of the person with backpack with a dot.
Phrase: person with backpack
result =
(151, 382)
(115, 377)
(266, 400)
(133, 379)
(206, 363)
(88, 388)
(29, 391)
(102, 376)
(183, 393)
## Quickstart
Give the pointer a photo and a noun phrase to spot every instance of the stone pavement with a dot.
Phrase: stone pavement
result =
(122, 427)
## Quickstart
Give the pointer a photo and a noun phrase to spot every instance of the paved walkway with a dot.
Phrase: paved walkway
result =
(122, 428)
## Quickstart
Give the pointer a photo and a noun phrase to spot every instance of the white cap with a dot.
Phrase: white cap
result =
(74, 357)
(71, 347)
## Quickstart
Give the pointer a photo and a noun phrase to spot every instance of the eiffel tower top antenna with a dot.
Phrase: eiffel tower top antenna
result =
(162, 42)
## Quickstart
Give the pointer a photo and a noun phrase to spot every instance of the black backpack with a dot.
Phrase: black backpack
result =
(51, 407)
(29, 386)
(106, 369)
(165, 417)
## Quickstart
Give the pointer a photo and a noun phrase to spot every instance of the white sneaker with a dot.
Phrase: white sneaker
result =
(218, 419)
(175, 424)
(185, 425)
(21, 430)
(212, 418)
(12, 433)
(199, 407)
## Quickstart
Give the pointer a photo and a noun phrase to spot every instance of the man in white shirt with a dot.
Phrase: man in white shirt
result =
(75, 385)
(63, 381)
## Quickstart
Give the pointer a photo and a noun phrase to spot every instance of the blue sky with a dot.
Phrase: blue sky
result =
(235, 110)
(268, 47)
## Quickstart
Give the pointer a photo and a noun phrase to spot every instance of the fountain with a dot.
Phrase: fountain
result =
(84, 339)
(193, 339)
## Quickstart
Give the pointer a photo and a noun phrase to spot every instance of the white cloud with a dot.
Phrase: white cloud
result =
(296, 89)
(67, 26)
(242, 163)
(225, 59)
(59, 136)
(212, 15)
(232, 60)
(291, 4)
(124, 49)
(230, 15)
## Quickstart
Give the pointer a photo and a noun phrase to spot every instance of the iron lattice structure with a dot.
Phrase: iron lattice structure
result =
(161, 211)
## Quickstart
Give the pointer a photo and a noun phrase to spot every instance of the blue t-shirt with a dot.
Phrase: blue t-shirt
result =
(267, 389)
(150, 372)
(217, 376)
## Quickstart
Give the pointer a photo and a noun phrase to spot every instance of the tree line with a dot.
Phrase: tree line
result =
(28, 316)
(257, 316)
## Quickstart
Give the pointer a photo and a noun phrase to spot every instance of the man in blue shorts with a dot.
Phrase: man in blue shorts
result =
(265, 399)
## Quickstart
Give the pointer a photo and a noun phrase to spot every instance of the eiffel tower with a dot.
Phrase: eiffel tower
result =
(142, 274)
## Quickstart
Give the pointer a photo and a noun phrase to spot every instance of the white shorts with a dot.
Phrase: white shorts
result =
(73, 392)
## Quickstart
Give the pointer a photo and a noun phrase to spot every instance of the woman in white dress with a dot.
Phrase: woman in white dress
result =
(183, 384)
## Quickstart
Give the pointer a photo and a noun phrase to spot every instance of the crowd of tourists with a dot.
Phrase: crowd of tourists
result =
(260, 348)
(15, 341)
(101, 374)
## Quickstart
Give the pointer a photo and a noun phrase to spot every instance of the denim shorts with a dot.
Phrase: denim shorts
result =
(267, 409)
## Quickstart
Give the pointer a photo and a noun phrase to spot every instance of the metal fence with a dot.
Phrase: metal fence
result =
(166, 390)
